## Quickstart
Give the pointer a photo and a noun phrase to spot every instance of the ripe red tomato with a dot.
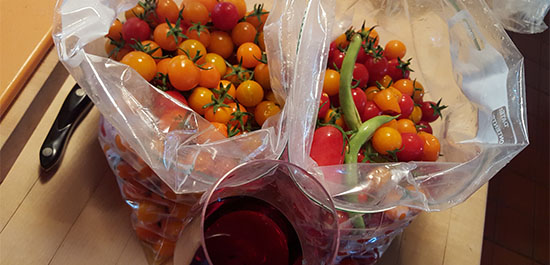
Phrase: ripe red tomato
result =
(225, 16)
(178, 96)
(406, 104)
(377, 67)
(398, 69)
(327, 147)
(424, 126)
(431, 110)
(370, 111)
(135, 29)
(324, 106)
(411, 148)
(359, 98)
(335, 59)
(361, 74)
(361, 55)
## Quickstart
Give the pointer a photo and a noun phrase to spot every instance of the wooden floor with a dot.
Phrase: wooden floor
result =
(77, 216)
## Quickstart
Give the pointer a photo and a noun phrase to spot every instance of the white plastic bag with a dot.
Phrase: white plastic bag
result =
(522, 16)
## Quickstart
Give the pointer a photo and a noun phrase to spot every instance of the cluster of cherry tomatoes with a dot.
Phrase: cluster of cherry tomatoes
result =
(380, 86)
(208, 54)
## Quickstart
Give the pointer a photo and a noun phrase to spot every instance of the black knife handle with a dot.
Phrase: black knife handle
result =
(75, 107)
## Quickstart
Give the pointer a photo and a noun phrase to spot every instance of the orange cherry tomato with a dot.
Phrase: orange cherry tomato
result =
(331, 85)
(333, 115)
(136, 11)
(209, 4)
(341, 41)
(252, 18)
(261, 41)
(217, 61)
(394, 91)
(231, 90)
(234, 109)
(406, 126)
(386, 100)
(115, 31)
(265, 110)
(405, 86)
(193, 49)
(163, 65)
(221, 43)
(241, 6)
(261, 75)
(222, 128)
(418, 92)
(391, 124)
(149, 212)
(153, 49)
(142, 62)
(416, 114)
(270, 96)
(431, 147)
(250, 93)
(210, 77)
(116, 55)
(237, 76)
(373, 35)
(395, 49)
(250, 54)
(183, 73)
(371, 92)
(386, 139)
(199, 32)
(243, 32)
(171, 120)
(222, 114)
(200, 97)
(165, 41)
(166, 9)
(386, 81)
(195, 12)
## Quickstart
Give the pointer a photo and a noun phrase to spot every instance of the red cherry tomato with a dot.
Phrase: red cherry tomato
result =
(412, 147)
(335, 59)
(361, 55)
(135, 29)
(225, 16)
(361, 74)
(327, 147)
(431, 110)
(324, 106)
(370, 111)
(178, 96)
(359, 98)
(406, 104)
(424, 126)
(377, 67)
(398, 69)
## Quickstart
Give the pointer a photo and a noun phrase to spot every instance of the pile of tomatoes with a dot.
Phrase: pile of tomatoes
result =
(381, 85)
(208, 54)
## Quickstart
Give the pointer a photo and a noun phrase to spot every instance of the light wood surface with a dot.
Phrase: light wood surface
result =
(77, 216)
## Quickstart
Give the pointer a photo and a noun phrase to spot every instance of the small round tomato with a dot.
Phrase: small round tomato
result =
(333, 117)
(412, 147)
(386, 81)
(261, 75)
(149, 212)
(237, 74)
(391, 124)
(373, 37)
(115, 31)
(115, 54)
(153, 49)
(265, 110)
(135, 12)
(163, 66)
(370, 111)
(331, 85)
(406, 126)
(371, 92)
(199, 32)
(395, 49)
(377, 67)
(178, 96)
(418, 92)
(398, 69)
(225, 16)
(200, 97)
(183, 73)
(165, 41)
(221, 43)
(386, 100)
(431, 110)
(261, 41)
(193, 49)
(166, 9)
(416, 114)
(210, 77)
(217, 61)
(243, 32)
(249, 54)
(222, 114)
(359, 98)
(324, 105)
(327, 147)
(222, 128)
(135, 29)
(234, 109)
(361, 74)
(195, 12)
(431, 147)
(171, 119)
(424, 126)
(142, 62)
(386, 139)
(241, 6)
(257, 18)
(406, 105)
(341, 41)
(227, 85)
(405, 86)
(335, 59)
(250, 93)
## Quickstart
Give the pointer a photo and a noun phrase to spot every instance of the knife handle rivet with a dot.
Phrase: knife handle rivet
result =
(48, 151)
(80, 92)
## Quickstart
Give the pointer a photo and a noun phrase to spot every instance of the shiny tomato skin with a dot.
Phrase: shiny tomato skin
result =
(178, 96)
(361, 74)
(395, 49)
(142, 62)
(424, 126)
(396, 73)
(335, 59)
(412, 147)
(406, 104)
(324, 106)
(327, 147)
(428, 112)
(370, 111)
(359, 98)
(135, 29)
(431, 147)
(225, 16)
(377, 67)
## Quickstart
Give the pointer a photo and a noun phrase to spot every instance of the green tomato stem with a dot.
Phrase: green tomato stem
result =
(351, 115)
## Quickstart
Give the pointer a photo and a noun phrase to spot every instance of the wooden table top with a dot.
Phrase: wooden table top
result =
(77, 215)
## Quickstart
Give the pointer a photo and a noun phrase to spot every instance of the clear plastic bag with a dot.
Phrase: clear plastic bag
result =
(522, 16)
(462, 55)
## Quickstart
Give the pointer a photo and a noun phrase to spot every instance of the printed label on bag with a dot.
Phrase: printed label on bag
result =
(501, 125)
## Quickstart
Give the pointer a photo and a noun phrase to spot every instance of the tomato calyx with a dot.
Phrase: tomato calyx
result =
(161, 81)
(438, 108)
(404, 66)
(263, 59)
(195, 58)
(218, 102)
(176, 31)
(119, 44)
(239, 116)
(392, 154)
(239, 71)
(258, 11)
(199, 28)
(138, 46)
